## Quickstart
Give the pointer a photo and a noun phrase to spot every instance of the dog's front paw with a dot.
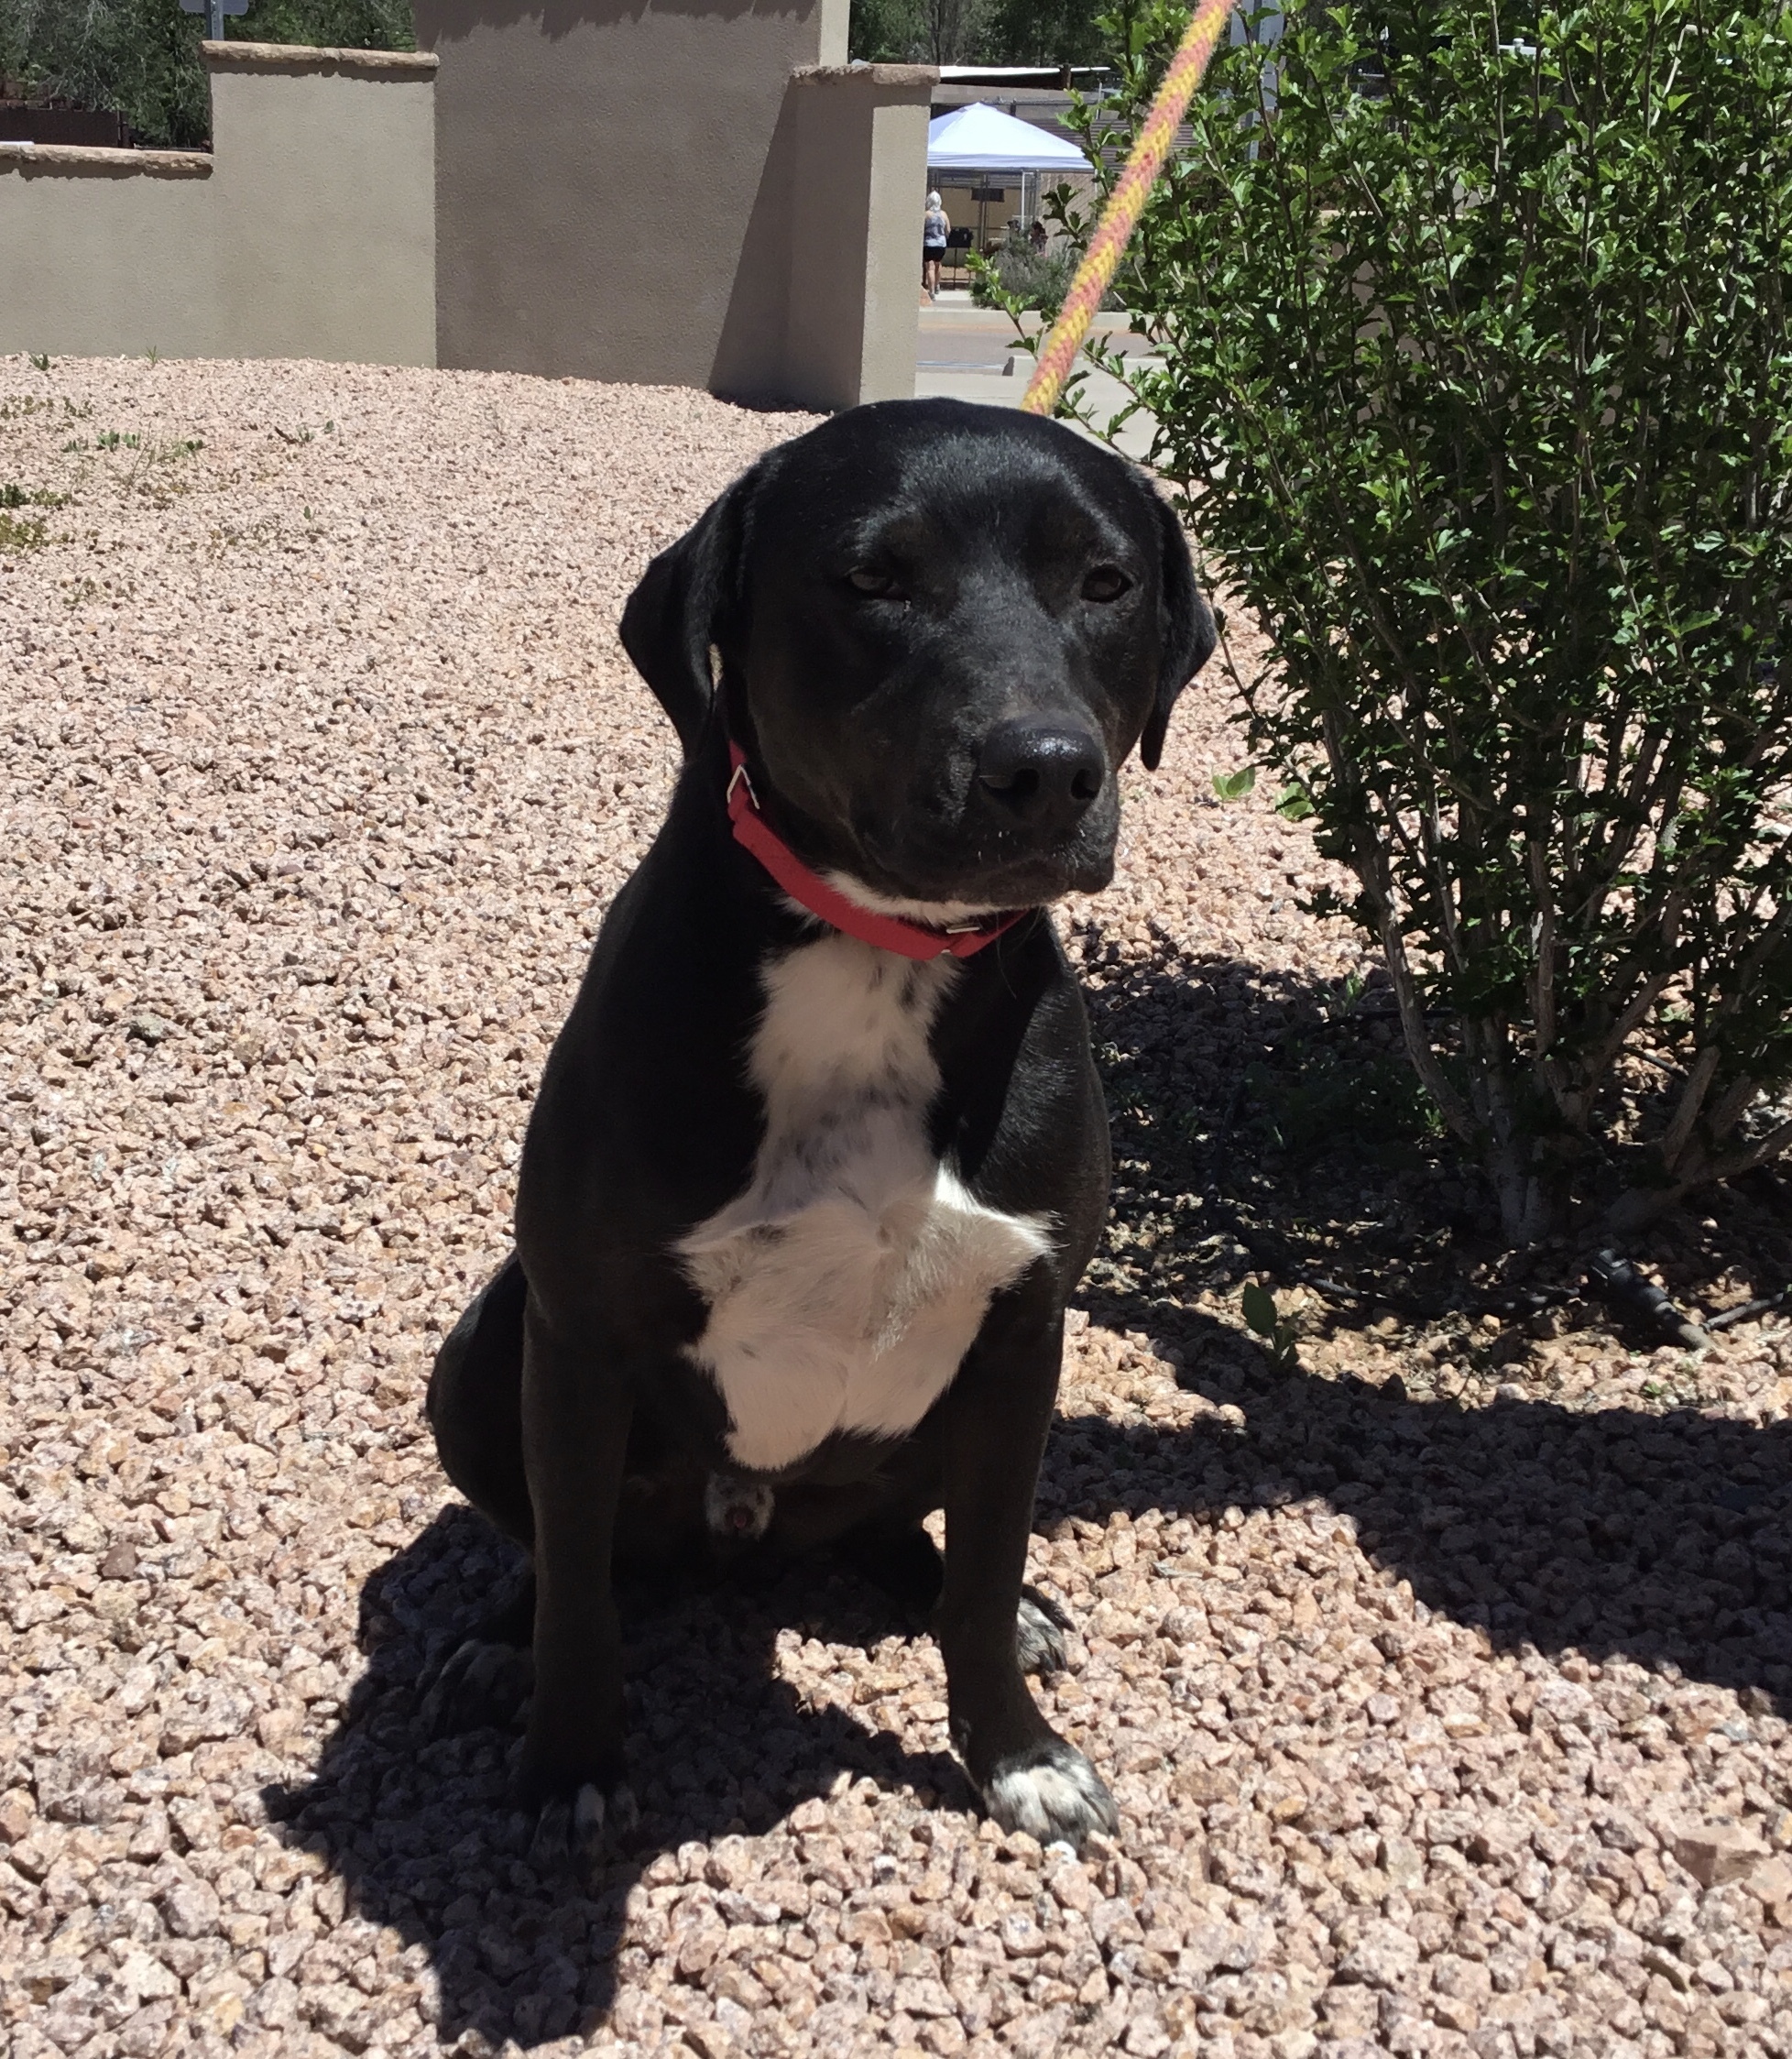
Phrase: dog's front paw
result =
(480, 1686)
(1050, 1792)
(1038, 1628)
(577, 1832)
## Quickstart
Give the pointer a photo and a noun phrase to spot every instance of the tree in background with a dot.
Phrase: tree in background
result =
(952, 32)
(1047, 31)
(141, 58)
(886, 31)
(919, 31)
(977, 32)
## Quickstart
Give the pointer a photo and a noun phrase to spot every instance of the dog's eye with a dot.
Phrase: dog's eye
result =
(1107, 582)
(873, 585)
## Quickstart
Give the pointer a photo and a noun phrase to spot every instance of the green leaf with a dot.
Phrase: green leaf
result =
(1234, 786)
(1259, 1306)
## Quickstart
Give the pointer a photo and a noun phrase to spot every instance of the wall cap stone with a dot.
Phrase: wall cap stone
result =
(306, 57)
(917, 77)
(90, 158)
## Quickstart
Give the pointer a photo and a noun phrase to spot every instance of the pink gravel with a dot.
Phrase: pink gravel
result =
(1437, 1670)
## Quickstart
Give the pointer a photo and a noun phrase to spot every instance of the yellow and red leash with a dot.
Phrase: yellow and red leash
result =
(1125, 204)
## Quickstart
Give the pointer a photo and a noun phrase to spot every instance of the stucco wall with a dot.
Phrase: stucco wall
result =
(627, 192)
(703, 195)
(308, 232)
(327, 176)
(107, 253)
(823, 309)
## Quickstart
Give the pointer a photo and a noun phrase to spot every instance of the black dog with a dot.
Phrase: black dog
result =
(804, 1192)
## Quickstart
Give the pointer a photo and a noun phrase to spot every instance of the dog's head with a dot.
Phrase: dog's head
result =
(941, 630)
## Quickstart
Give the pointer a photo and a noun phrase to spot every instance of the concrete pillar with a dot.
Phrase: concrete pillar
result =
(826, 312)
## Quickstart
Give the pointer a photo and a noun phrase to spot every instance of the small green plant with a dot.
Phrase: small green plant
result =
(1234, 786)
(148, 472)
(41, 359)
(1350, 992)
(21, 533)
(152, 354)
(1039, 277)
(1317, 1103)
(13, 495)
(1278, 1331)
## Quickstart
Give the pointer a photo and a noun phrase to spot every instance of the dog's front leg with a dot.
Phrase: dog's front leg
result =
(575, 1412)
(1028, 1777)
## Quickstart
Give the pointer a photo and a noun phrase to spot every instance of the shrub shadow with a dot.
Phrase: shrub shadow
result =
(1262, 1126)
(1663, 1538)
(1269, 1122)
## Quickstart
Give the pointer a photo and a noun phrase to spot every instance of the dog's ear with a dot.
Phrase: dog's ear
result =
(685, 602)
(1187, 631)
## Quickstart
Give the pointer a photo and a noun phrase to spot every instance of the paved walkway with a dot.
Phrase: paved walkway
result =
(966, 352)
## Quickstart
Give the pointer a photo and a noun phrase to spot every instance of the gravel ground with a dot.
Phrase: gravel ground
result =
(1436, 1662)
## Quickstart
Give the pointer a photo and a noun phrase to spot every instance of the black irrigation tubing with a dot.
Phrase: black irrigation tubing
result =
(1521, 1302)
(1613, 1279)
(1625, 1289)
(1725, 1316)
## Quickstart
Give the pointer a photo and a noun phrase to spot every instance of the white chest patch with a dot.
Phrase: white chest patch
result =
(846, 1283)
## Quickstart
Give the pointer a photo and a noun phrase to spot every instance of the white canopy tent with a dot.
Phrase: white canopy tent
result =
(981, 139)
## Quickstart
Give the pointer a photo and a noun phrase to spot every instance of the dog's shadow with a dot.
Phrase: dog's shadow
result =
(420, 1832)
(1663, 1538)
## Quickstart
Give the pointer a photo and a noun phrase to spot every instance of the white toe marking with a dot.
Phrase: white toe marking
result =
(737, 1508)
(1062, 1797)
(1038, 1640)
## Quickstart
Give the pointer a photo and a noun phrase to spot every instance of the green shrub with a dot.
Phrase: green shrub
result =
(1473, 376)
(1039, 277)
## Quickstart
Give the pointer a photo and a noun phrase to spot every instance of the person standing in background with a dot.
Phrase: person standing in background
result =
(934, 228)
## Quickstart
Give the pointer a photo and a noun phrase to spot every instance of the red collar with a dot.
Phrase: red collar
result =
(889, 932)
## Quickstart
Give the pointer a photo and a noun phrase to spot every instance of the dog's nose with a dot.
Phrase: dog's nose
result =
(1042, 772)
